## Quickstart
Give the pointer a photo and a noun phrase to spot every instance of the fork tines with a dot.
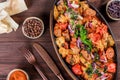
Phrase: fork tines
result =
(28, 55)
(31, 59)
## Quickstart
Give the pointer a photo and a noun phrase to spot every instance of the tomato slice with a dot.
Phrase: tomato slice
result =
(101, 30)
(111, 67)
(95, 37)
(63, 26)
(103, 58)
(72, 44)
(74, 39)
(77, 69)
(66, 45)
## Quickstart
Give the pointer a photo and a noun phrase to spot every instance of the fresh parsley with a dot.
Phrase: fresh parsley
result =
(89, 70)
(97, 72)
(82, 33)
(96, 56)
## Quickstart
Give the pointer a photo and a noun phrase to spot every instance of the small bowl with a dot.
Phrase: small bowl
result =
(33, 27)
(14, 70)
(111, 17)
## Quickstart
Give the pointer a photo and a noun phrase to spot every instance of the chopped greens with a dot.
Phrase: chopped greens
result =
(80, 54)
(97, 72)
(82, 32)
(89, 70)
(73, 16)
(72, 22)
(69, 10)
(96, 56)
(105, 68)
(65, 2)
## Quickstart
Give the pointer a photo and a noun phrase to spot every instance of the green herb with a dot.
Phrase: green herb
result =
(78, 26)
(62, 11)
(72, 22)
(77, 32)
(97, 72)
(82, 32)
(89, 70)
(69, 10)
(83, 36)
(105, 68)
(73, 16)
(75, 36)
(88, 43)
(96, 56)
(65, 2)
(80, 54)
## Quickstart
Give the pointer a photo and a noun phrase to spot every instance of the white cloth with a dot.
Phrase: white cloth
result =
(8, 8)
(13, 6)
(7, 24)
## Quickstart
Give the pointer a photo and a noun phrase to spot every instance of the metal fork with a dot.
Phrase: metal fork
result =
(31, 59)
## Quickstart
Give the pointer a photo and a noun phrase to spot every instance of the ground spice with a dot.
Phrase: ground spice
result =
(18, 75)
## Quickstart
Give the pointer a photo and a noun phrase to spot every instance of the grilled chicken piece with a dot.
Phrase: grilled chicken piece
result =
(73, 59)
(66, 35)
(86, 55)
(60, 41)
(64, 52)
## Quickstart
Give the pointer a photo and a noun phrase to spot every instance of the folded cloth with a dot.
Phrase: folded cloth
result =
(13, 6)
(7, 24)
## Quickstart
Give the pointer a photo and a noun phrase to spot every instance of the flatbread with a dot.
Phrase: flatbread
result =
(7, 24)
(8, 8)
(3, 5)
(13, 6)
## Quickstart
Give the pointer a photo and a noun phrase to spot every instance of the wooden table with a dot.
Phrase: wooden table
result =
(11, 58)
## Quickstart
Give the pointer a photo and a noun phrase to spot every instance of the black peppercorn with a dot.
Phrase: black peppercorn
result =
(33, 27)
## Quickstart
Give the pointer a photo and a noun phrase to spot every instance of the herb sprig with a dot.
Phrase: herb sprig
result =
(82, 33)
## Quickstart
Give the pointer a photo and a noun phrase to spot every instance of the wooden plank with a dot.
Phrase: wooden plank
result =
(10, 50)
(6, 68)
(18, 36)
(115, 26)
(118, 62)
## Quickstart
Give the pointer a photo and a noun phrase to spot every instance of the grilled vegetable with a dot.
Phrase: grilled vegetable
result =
(60, 41)
(56, 13)
(77, 69)
(111, 67)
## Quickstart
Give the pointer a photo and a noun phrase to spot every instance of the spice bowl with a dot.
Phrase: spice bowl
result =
(17, 74)
(33, 27)
(113, 9)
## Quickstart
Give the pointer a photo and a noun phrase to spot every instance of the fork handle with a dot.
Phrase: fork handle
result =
(60, 77)
(40, 72)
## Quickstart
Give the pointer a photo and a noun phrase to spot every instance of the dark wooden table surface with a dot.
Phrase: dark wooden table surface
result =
(11, 58)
